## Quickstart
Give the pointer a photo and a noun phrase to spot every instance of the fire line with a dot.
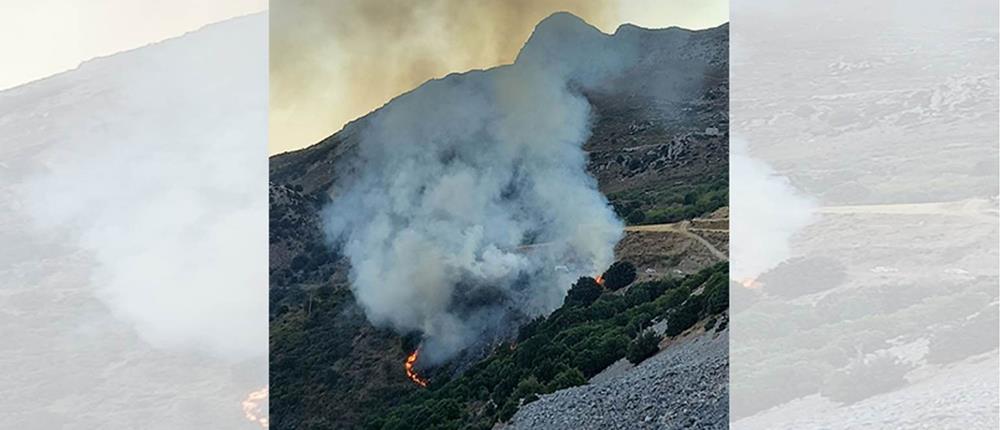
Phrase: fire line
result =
(411, 360)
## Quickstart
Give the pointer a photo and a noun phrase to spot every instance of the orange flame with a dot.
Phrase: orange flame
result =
(412, 374)
(253, 409)
(750, 283)
(600, 280)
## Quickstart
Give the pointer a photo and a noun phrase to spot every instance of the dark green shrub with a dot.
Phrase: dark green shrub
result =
(508, 410)
(299, 262)
(528, 387)
(685, 316)
(636, 217)
(717, 294)
(865, 378)
(583, 337)
(584, 292)
(643, 347)
(802, 276)
(973, 336)
(619, 275)
(571, 377)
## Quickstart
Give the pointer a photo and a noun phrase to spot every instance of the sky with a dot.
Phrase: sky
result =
(333, 62)
(45, 37)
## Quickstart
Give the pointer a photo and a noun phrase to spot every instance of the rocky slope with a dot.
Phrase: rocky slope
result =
(885, 316)
(684, 386)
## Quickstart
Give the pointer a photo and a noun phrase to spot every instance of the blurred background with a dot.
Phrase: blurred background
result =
(133, 270)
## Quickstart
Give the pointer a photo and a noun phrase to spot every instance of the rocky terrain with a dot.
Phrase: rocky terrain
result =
(961, 395)
(684, 386)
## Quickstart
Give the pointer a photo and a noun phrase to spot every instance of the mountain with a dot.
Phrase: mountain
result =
(659, 128)
(657, 147)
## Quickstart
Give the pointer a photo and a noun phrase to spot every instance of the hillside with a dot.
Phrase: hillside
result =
(686, 383)
(685, 386)
(659, 137)
(890, 294)
(657, 148)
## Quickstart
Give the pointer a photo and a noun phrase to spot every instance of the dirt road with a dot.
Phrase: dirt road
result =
(683, 228)
(969, 207)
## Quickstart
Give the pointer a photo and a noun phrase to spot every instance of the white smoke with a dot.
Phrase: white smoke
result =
(765, 211)
(457, 176)
(155, 166)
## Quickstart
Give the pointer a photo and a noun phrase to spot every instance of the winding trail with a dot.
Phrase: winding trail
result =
(683, 228)
(975, 207)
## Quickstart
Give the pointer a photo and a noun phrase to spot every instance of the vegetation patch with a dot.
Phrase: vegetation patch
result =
(662, 205)
(593, 329)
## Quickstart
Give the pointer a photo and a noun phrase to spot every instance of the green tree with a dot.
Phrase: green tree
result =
(717, 293)
(685, 316)
(571, 377)
(527, 387)
(584, 292)
(619, 275)
(643, 347)
(636, 217)
(508, 410)
(865, 378)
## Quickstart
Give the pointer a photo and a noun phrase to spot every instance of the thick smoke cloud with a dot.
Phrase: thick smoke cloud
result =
(457, 177)
(766, 210)
(332, 62)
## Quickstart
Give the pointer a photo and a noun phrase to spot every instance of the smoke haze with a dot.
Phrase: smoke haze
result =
(456, 177)
(332, 62)
(766, 210)
(158, 179)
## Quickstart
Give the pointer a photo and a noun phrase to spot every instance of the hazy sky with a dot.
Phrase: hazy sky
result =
(334, 61)
(45, 37)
